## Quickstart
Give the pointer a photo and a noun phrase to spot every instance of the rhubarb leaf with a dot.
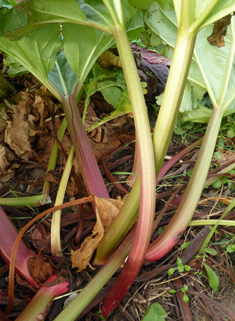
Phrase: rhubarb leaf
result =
(202, 73)
(82, 46)
(62, 77)
(155, 313)
(141, 4)
(36, 13)
(163, 24)
(36, 52)
(221, 10)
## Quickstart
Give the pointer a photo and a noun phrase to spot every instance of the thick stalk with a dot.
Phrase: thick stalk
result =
(29, 201)
(8, 234)
(90, 171)
(147, 170)
(55, 223)
(183, 215)
(125, 220)
(39, 306)
(173, 95)
(54, 155)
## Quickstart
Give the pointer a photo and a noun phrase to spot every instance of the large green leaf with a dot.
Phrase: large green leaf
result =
(222, 9)
(62, 77)
(209, 63)
(36, 51)
(82, 47)
(29, 15)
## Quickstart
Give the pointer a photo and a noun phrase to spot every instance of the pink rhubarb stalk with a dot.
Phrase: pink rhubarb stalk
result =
(90, 170)
(8, 235)
(39, 306)
(148, 177)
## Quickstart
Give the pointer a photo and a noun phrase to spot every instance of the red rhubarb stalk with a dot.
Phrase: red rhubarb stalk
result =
(147, 168)
(39, 306)
(8, 234)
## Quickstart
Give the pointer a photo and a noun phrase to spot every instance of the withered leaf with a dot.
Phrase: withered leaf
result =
(17, 133)
(106, 211)
(219, 31)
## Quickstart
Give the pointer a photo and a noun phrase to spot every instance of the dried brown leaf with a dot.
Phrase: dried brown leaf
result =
(40, 109)
(17, 133)
(106, 211)
(219, 31)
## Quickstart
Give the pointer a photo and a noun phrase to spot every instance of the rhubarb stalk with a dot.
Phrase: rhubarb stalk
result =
(90, 170)
(39, 306)
(184, 213)
(8, 235)
(55, 223)
(147, 168)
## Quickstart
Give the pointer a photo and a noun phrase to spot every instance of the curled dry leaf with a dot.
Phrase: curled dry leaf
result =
(17, 133)
(106, 212)
(40, 109)
(7, 170)
(219, 31)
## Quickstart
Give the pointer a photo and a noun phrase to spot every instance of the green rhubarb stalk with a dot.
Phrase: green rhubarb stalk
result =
(29, 201)
(54, 155)
(175, 85)
(39, 306)
(185, 211)
(56, 249)
(212, 222)
(166, 119)
(183, 215)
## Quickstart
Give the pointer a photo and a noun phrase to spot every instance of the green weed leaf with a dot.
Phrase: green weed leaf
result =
(213, 278)
(185, 298)
(210, 251)
(155, 313)
(217, 184)
(171, 271)
(185, 245)
(230, 248)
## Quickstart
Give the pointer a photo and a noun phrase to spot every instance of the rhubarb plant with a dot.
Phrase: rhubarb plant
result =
(85, 29)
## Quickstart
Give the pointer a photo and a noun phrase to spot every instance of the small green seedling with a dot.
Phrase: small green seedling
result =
(212, 277)
(184, 289)
(230, 248)
(180, 267)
